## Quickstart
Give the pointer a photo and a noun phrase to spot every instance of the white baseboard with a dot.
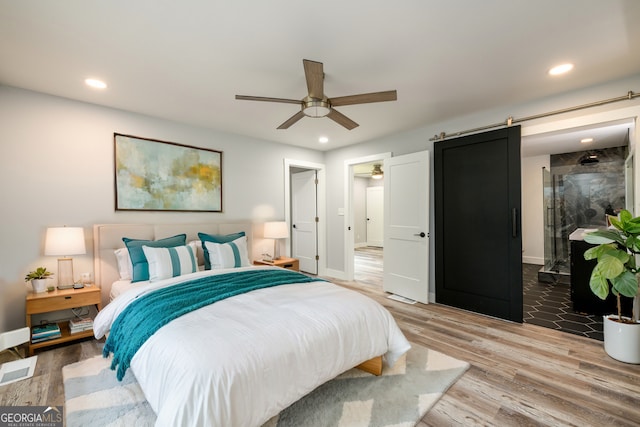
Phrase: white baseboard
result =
(360, 245)
(337, 274)
(532, 260)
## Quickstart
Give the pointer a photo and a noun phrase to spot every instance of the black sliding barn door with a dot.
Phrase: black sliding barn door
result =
(478, 243)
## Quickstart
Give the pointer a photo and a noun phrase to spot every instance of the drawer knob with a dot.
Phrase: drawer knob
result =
(67, 297)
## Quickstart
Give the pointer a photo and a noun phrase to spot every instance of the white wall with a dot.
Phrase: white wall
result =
(533, 208)
(56, 168)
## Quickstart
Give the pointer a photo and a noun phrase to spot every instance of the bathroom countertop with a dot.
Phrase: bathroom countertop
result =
(579, 233)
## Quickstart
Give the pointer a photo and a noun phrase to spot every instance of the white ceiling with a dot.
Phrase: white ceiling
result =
(604, 135)
(186, 60)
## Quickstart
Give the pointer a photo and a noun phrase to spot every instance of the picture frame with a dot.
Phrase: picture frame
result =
(155, 175)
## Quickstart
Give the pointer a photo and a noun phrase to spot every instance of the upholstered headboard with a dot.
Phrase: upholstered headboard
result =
(108, 237)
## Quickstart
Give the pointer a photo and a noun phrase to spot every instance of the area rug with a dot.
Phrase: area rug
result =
(400, 397)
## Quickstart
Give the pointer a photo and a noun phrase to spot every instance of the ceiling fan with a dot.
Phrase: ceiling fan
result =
(316, 104)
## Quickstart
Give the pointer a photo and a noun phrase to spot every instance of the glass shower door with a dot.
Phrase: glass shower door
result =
(548, 215)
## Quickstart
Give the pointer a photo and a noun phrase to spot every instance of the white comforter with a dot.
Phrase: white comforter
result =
(242, 360)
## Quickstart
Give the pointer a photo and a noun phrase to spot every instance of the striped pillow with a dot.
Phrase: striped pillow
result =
(170, 262)
(228, 255)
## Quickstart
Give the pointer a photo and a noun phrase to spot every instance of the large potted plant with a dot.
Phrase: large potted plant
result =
(616, 271)
(38, 278)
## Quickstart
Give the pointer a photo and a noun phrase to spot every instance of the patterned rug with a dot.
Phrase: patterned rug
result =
(399, 397)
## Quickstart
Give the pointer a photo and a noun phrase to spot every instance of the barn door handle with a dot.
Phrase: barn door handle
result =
(420, 235)
(514, 222)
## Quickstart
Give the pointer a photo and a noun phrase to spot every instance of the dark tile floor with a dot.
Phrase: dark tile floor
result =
(549, 305)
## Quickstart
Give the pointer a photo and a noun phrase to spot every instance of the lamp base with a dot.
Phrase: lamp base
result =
(276, 249)
(65, 273)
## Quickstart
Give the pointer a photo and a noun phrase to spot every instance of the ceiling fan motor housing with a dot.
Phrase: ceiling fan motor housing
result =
(314, 107)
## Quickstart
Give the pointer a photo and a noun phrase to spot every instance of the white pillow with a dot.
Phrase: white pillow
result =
(170, 262)
(228, 255)
(125, 267)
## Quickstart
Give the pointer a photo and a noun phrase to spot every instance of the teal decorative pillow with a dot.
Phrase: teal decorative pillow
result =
(139, 260)
(228, 255)
(216, 238)
(165, 263)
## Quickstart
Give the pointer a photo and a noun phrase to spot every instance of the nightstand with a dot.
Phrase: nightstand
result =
(61, 299)
(288, 263)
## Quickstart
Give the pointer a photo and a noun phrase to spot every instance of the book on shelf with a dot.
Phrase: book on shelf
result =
(42, 331)
(80, 325)
(81, 329)
(81, 322)
(46, 338)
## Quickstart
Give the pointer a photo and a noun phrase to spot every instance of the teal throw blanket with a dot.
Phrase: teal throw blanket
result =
(145, 315)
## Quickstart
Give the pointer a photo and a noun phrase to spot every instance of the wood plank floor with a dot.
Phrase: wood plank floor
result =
(520, 375)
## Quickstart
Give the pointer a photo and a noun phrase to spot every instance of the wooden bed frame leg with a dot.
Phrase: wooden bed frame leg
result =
(373, 366)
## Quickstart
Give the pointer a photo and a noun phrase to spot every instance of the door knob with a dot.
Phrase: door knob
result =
(294, 226)
(421, 234)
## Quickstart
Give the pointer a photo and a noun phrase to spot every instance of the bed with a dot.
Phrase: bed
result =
(242, 359)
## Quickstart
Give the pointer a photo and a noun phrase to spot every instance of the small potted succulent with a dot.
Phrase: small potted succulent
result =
(616, 271)
(38, 278)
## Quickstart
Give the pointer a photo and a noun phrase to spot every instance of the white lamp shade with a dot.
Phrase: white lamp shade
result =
(276, 230)
(62, 241)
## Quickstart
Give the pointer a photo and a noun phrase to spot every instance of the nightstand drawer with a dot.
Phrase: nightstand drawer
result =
(291, 265)
(288, 263)
(63, 300)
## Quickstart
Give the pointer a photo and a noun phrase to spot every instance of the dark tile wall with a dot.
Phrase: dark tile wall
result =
(584, 191)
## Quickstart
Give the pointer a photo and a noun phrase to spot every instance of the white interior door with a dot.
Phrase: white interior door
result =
(375, 216)
(303, 219)
(406, 226)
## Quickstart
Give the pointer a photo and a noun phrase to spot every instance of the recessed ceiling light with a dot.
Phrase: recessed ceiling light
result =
(560, 69)
(323, 140)
(97, 84)
(586, 140)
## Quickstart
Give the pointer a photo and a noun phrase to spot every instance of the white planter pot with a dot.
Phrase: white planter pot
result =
(39, 285)
(622, 340)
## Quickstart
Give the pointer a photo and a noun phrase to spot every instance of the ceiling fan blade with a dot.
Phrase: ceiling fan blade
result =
(341, 119)
(264, 98)
(313, 71)
(293, 119)
(365, 98)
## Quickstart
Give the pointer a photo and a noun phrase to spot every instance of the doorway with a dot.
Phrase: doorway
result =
(368, 213)
(359, 177)
(568, 184)
(292, 167)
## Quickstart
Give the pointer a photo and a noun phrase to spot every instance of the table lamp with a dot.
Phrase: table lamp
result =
(65, 241)
(276, 230)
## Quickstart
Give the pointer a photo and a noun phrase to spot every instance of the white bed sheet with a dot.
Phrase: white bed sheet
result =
(121, 286)
(242, 360)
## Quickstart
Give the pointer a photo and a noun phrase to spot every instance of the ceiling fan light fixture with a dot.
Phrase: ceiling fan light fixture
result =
(377, 173)
(316, 108)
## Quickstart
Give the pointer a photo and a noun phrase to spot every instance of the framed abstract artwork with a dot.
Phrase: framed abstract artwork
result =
(153, 175)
